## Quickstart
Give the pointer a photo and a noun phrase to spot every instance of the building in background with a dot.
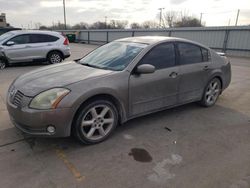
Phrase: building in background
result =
(3, 22)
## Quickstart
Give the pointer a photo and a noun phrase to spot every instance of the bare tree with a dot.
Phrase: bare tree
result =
(188, 21)
(43, 27)
(38, 25)
(135, 25)
(149, 24)
(81, 25)
(169, 18)
(118, 24)
(180, 19)
(98, 25)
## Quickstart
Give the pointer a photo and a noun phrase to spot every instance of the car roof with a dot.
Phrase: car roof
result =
(33, 32)
(156, 39)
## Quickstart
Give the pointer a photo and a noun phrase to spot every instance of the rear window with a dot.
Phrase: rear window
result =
(40, 38)
(189, 53)
(205, 55)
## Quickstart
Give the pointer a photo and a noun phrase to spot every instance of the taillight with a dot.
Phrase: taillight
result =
(66, 41)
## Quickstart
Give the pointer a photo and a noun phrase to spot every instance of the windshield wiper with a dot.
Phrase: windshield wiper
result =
(90, 65)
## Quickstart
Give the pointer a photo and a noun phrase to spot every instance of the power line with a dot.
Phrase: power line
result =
(220, 12)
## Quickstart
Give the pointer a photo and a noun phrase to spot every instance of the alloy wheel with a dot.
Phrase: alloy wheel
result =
(212, 92)
(97, 122)
(55, 58)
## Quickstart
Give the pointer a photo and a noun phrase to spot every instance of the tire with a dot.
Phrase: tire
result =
(55, 57)
(2, 64)
(211, 92)
(95, 122)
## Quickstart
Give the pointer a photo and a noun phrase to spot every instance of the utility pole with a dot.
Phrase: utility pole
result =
(237, 17)
(64, 12)
(160, 16)
(201, 17)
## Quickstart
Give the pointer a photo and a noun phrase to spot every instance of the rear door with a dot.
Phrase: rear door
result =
(20, 51)
(150, 92)
(195, 65)
(41, 45)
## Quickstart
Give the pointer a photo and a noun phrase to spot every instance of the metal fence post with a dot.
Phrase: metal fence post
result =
(133, 33)
(107, 37)
(88, 38)
(169, 34)
(224, 48)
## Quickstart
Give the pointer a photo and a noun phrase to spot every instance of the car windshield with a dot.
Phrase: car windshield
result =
(113, 56)
(5, 36)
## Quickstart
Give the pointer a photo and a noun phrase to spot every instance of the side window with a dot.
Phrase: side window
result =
(161, 56)
(21, 39)
(205, 55)
(189, 53)
(40, 38)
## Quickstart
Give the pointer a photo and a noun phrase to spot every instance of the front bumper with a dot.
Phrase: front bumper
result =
(35, 122)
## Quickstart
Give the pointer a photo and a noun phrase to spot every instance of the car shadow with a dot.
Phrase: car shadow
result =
(27, 64)
(179, 121)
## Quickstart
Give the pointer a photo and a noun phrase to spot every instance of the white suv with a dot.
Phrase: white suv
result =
(30, 46)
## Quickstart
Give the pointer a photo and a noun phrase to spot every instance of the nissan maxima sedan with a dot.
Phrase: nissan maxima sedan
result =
(118, 81)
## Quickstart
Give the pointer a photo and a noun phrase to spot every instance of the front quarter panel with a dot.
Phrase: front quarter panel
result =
(114, 84)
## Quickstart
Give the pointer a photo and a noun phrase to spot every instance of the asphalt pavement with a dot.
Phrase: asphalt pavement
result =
(187, 146)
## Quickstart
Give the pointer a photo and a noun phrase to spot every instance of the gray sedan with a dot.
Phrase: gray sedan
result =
(116, 82)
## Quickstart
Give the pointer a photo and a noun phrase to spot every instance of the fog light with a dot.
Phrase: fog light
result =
(51, 129)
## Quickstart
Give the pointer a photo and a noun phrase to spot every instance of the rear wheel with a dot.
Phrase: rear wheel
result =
(211, 93)
(2, 64)
(96, 121)
(55, 57)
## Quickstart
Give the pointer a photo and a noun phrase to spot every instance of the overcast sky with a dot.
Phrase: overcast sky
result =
(216, 12)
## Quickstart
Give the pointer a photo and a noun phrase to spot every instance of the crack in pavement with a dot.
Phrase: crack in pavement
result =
(16, 141)
(10, 143)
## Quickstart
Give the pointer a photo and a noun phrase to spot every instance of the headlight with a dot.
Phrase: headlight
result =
(49, 99)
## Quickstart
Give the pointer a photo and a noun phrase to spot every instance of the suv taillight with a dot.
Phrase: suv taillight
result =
(66, 41)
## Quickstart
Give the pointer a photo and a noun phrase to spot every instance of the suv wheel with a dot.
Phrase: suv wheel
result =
(96, 121)
(211, 93)
(55, 57)
(2, 64)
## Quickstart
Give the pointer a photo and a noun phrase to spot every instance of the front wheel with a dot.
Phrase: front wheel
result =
(96, 121)
(211, 93)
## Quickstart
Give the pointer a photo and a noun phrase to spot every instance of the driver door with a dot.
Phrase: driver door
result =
(151, 92)
(20, 50)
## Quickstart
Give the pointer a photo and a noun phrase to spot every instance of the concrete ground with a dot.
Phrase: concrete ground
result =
(188, 146)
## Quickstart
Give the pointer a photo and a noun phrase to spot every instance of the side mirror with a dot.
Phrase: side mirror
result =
(145, 69)
(10, 43)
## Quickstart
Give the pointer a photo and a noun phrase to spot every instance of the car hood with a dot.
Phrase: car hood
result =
(59, 75)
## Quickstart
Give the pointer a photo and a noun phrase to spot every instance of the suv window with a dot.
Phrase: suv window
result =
(189, 53)
(21, 39)
(39, 38)
(161, 56)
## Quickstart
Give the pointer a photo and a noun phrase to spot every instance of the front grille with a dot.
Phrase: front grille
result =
(17, 99)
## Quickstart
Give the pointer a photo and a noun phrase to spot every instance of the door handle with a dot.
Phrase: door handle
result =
(205, 68)
(27, 46)
(173, 74)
